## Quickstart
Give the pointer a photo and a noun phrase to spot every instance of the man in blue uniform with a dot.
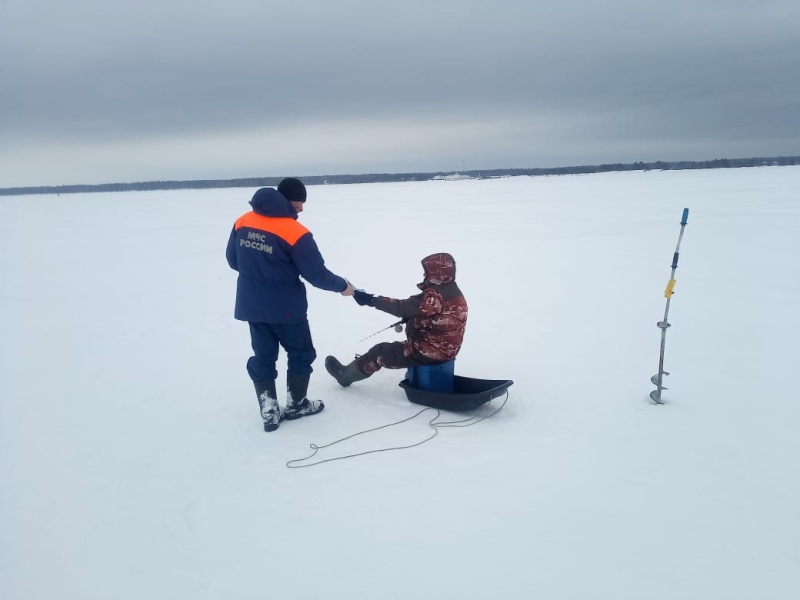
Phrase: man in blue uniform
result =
(271, 250)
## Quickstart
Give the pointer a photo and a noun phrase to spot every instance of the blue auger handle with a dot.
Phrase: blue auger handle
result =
(685, 217)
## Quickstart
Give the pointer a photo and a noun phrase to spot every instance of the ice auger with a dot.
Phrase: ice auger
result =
(658, 378)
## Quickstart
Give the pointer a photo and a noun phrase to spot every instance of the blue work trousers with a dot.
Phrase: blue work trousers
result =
(268, 338)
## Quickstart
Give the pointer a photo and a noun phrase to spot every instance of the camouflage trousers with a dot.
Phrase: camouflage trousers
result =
(391, 355)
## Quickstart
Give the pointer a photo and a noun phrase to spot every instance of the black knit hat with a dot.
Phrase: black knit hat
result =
(293, 189)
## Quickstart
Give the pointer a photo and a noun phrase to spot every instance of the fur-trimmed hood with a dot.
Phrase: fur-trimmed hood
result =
(439, 269)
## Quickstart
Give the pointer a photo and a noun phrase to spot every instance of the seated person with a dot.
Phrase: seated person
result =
(435, 321)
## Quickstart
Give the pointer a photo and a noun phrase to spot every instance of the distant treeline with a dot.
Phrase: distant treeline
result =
(255, 182)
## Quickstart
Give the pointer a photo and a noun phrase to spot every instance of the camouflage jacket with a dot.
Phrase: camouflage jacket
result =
(436, 318)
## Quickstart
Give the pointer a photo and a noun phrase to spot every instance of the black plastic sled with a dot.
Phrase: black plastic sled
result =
(437, 387)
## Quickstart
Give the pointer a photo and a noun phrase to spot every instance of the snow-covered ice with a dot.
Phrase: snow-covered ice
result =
(133, 463)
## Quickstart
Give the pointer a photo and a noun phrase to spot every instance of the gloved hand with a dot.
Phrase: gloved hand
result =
(363, 298)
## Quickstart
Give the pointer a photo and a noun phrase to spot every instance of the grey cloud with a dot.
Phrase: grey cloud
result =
(97, 72)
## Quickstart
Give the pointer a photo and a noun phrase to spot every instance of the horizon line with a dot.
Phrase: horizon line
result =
(402, 176)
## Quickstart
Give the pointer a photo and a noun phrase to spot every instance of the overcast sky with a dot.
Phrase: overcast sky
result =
(95, 91)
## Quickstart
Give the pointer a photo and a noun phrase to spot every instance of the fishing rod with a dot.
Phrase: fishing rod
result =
(658, 378)
(398, 327)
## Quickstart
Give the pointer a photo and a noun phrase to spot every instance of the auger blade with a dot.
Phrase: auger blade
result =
(657, 380)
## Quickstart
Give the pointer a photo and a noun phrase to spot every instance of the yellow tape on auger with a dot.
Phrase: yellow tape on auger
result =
(670, 287)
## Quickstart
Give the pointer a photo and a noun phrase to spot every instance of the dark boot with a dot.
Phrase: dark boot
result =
(268, 404)
(345, 375)
(297, 404)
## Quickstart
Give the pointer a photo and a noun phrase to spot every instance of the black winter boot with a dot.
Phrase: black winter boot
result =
(268, 404)
(345, 375)
(297, 405)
